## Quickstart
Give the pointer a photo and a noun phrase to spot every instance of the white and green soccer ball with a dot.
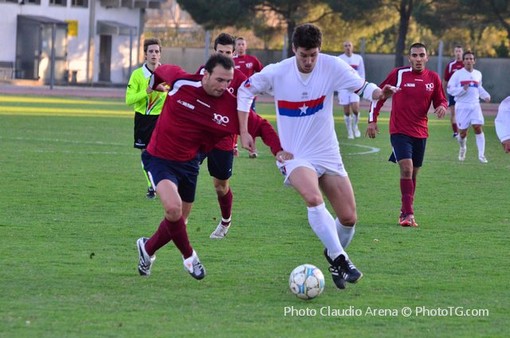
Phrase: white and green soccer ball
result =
(306, 281)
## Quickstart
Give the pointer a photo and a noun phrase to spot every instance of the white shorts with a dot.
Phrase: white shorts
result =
(468, 114)
(346, 97)
(323, 167)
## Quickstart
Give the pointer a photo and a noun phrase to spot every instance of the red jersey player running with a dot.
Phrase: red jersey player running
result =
(418, 87)
(197, 113)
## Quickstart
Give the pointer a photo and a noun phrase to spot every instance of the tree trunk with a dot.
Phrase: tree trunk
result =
(405, 11)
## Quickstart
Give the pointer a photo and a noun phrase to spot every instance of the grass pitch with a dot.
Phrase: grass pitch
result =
(73, 204)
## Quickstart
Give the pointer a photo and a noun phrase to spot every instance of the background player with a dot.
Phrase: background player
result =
(350, 100)
(147, 103)
(220, 160)
(466, 86)
(418, 88)
(451, 68)
(249, 65)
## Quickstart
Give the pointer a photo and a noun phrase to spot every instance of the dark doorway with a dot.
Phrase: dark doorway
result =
(105, 57)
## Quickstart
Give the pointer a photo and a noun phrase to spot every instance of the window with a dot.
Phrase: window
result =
(62, 3)
(80, 3)
(23, 2)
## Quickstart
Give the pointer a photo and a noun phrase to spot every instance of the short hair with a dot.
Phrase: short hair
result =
(240, 38)
(466, 53)
(219, 59)
(307, 36)
(224, 39)
(417, 45)
(149, 42)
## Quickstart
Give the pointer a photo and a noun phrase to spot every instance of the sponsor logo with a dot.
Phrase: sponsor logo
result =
(186, 104)
(220, 119)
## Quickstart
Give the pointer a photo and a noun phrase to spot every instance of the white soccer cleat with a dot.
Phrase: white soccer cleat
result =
(220, 231)
(194, 267)
(462, 153)
(483, 159)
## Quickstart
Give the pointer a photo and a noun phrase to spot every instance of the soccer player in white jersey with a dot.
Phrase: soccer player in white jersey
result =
(348, 99)
(466, 85)
(303, 87)
(502, 123)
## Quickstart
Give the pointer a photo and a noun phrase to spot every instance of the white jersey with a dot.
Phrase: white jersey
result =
(475, 90)
(304, 104)
(356, 62)
(502, 121)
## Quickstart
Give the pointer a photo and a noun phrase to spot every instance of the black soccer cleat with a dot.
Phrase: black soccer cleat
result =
(345, 269)
(337, 276)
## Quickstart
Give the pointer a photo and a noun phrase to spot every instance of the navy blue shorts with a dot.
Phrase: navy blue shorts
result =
(183, 174)
(404, 147)
(451, 100)
(219, 163)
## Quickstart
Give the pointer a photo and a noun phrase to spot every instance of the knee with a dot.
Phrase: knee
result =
(173, 212)
(221, 187)
(313, 199)
(349, 220)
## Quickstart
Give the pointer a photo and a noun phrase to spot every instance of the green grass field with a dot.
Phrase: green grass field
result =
(73, 204)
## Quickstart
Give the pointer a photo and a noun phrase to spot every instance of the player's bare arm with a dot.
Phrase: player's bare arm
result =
(246, 138)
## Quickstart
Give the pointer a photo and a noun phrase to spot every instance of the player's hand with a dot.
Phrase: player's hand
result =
(506, 146)
(440, 112)
(283, 156)
(247, 141)
(487, 99)
(372, 130)
(388, 91)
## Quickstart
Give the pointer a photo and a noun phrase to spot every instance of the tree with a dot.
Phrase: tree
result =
(247, 13)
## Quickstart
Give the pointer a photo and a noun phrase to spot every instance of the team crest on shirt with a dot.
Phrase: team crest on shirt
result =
(429, 87)
(247, 83)
(300, 108)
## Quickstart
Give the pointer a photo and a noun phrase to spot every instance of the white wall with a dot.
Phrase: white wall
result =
(78, 46)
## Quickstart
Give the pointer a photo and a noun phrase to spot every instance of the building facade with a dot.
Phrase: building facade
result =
(77, 41)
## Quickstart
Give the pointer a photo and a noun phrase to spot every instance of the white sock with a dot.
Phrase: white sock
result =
(480, 143)
(356, 119)
(347, 119)
(345, 234)
(462, 141)
(323, 225)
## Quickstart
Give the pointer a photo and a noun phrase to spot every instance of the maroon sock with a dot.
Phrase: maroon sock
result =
(414, 185)
(160, 238)
(226, 205)
(407, 190)
(455, 128)
(180, 237)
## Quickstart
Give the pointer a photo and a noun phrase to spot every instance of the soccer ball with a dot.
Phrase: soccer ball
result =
(306, 281)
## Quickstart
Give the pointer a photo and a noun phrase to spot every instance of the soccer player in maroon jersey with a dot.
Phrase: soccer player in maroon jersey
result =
(418, 88)
(198, 112)
(451, 68)
(220, 160)
(249, 65)
(246, 63)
